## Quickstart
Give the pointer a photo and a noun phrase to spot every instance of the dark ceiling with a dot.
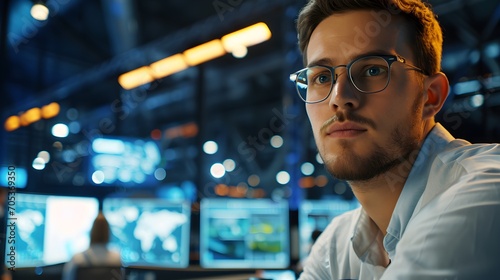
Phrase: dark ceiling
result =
(76, 56)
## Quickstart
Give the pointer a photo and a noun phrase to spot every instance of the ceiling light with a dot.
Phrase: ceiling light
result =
(249, 36)
(31, 116)
(39, 12)
(135, 78)
(204, 52)
(12, 123)
(51, 110)
(168, 66)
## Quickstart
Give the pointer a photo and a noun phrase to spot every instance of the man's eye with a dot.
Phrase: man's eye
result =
(322, 79)
(374, 71)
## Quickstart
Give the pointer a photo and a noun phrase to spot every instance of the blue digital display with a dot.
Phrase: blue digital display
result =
(125, 162)
(149, 232)
(315, 215)
(46, 230)
(244, 233)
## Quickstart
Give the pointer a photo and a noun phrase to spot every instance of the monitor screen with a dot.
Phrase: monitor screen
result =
(125, 162)
(45, 229)
(315, 215)
(149, 232)
(244, 233)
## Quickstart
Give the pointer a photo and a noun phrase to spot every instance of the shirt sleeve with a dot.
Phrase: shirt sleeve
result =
(456, 235)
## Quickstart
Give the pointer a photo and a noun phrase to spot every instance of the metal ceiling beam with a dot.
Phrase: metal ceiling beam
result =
(156, 50)
(121, 21)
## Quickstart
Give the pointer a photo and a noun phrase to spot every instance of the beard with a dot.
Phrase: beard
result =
(404, 143)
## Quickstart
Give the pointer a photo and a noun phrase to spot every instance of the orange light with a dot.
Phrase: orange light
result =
(221, 190)
(242, 190)
(135, 78)
(306, 182)
(190, 130)
(31, 116)
(51, 110)
(246, 37)
(259, 193)
(172, 133)
(204, 52)
(168, 66)
(156, 134)
(321, 181)
(12, 123)
(235, 42)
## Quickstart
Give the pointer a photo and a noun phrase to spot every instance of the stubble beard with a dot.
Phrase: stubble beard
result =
(405, 141)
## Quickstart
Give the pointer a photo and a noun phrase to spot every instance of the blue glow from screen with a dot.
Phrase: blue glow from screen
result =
(244, 233)
(125, 161)
(149, 232)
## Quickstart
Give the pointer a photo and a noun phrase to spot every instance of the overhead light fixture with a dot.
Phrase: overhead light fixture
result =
(204, 52)
(236, 43)
(51, 110)
(12, 123)
(168, 66)
(137, 77)
(246, 37)
(31, 116)
(39, 12)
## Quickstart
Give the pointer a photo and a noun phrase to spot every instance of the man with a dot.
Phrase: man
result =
(372, 86)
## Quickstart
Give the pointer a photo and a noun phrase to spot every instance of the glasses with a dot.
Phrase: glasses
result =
(368, 74)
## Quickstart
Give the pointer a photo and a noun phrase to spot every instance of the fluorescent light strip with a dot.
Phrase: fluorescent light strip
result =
(236, 42)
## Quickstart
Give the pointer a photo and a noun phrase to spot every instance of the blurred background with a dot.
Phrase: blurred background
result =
(96, 100)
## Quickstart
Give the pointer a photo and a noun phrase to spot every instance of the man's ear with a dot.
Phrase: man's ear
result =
(436, 89)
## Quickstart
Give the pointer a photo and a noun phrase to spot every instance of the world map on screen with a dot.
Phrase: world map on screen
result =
(148, 235)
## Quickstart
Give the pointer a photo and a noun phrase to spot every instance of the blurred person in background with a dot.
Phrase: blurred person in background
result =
(98, 254)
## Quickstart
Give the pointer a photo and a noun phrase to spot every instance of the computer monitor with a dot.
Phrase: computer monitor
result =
(48, 229)
(244, 233)
(315, 215)
(149, 232)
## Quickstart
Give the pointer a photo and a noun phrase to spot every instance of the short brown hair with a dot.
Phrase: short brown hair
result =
(426, 41)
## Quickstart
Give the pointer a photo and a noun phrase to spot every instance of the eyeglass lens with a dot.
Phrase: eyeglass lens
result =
(368, 74)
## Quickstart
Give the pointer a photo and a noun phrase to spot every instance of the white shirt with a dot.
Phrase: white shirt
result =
(446, 223)
(95, 255)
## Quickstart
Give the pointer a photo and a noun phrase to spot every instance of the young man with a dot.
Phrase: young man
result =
(430, 202)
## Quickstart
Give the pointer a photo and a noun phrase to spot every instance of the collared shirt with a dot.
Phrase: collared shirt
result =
(446, 223)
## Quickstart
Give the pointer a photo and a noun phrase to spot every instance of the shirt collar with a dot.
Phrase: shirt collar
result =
(414, 186)
(366, 235)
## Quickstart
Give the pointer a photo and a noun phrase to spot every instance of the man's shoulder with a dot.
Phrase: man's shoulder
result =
(461, 167)
(470, 157)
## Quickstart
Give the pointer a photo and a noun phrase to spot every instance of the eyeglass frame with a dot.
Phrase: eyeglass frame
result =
(389, 58)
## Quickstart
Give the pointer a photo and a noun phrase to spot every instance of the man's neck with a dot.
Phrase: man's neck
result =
(379, 195)
(378, 198)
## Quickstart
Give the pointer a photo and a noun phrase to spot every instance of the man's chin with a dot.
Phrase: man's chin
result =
(351, 175)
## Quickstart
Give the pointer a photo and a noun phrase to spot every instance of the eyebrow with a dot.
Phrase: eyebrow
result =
(326, 61)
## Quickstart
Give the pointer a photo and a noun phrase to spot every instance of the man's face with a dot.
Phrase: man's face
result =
(359, 135)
